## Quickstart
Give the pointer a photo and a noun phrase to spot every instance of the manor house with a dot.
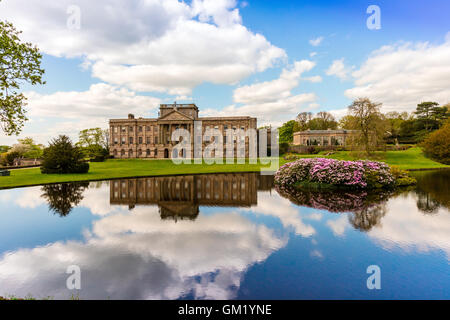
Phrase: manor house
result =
(151, 138)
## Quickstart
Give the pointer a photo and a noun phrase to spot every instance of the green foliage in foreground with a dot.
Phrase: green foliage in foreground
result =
(412, 158)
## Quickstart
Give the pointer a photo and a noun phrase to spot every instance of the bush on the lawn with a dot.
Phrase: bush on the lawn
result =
(63, 157)
(329, 172)
(437, 145)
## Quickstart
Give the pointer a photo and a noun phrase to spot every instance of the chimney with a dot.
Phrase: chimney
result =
(130, 116)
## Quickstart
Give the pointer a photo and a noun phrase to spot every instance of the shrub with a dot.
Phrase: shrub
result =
(312, 150)
(11, 157)
(437, 145)
(62, 157)
(283, 148)
(402, 178)
(349, 174)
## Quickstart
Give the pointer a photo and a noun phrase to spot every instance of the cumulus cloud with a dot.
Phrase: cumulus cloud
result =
(272, 101)
(339, 69)
(155, 45)
(139, 256)
(405, 74)
(72, 111)
(410, 230)
(315, 42)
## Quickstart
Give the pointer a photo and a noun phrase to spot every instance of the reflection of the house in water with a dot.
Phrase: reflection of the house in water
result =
(179, 197)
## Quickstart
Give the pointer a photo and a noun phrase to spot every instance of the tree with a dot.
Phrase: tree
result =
(302, 119)
(4, 149)
(440, 114)
(424, 112)
(347, 122)
(370, 124)
(437, 144)
(286, 131)
(19, 62)
(322, 121)
(94, 143)
(62, 157)
(394, 121)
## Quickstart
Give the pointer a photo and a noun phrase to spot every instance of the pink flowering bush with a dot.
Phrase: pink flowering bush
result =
(360, 174)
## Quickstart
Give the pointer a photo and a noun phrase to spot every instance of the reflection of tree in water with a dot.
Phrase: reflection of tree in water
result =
(367, 207)
(367, 218)
(426, 203)
(63, 197)
(433, 190)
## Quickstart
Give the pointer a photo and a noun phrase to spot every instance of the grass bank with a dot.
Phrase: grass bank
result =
(411, 159)
(120, 169)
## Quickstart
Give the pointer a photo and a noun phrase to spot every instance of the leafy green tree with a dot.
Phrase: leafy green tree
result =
(440, 114)
(19, 63)
(424, 112)
(437, 144)
(370, 123)
(322, 121)
(286, 132)
(4, 149)
(94, 143)
(63, 157)
(347, 122)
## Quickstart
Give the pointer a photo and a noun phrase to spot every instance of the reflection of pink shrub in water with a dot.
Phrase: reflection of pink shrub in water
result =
(335, 201)
(361, 174)
(367, 208)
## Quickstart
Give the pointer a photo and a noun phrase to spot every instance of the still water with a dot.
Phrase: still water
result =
(227, 236)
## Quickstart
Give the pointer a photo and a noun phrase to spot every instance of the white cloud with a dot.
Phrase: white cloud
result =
(338, 226)
(144, 257)
(315, 42)
(272, 101)
(339, 69)
(72, 111)
(152, 45)
(410, 230)
(313, 54)
(274, 90)
(403, 75)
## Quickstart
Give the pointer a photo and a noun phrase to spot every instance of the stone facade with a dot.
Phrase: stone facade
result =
(151, 138)
(322, 137)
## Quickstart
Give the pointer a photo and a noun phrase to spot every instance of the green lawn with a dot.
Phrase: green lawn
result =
(120, 169)
(412, 158)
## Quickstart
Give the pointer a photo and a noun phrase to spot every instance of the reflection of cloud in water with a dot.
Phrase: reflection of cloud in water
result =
(407, 228)
(283, 209)
(139, 256)
(30, 198)
(339, 225)
(96, 198)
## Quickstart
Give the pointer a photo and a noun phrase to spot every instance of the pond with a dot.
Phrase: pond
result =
(224, 236)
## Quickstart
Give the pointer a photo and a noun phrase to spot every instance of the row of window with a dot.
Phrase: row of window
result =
(139, 152)
(123, 129)
(149, 140)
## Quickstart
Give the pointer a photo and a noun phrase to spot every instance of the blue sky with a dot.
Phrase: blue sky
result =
(255, 58)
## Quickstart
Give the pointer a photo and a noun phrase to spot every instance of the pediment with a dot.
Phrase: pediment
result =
(175, 115)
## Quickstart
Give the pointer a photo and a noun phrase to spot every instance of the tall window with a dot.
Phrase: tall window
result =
(131, 140)
(140, 128)
(140, 140)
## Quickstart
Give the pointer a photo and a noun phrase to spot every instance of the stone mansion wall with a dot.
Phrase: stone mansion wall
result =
(151, 138)
(322, 137)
